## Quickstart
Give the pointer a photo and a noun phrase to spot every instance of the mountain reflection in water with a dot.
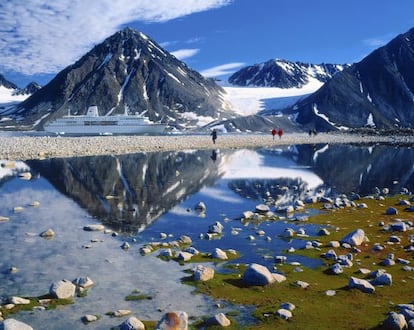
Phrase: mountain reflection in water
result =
(129, 192)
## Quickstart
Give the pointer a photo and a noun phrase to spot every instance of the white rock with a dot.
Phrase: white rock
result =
(12, 324)
(256, 274)
(94, 227)
(132, 323)
(284, 314)
(47, 233)
(361, 284)
(89, 318)
(203, 273)
(219, 254)
(83, 282)
(122, 312)
(185, 256)
(219, 319)
(355, 238)
(19, 301)
(62, 289)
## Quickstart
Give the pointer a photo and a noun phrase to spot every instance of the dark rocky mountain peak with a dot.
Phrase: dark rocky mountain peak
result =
(7, 84)
(377, 92)
(283, 74)
(127, 69)
(30, 89)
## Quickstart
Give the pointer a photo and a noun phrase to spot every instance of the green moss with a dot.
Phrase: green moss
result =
(348, 308)
(134, 297)
(45, 301)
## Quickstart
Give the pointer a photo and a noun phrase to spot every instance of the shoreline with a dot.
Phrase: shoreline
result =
(39, 147)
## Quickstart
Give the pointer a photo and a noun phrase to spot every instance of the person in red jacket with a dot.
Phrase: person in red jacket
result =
(273, 133)
(280, 133)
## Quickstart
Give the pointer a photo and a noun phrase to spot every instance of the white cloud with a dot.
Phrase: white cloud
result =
(378, 41)
(45, 36)
(182, 54)
(222, 70)
(374, 42)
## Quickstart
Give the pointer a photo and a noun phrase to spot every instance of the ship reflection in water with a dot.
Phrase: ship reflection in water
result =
(129, 192)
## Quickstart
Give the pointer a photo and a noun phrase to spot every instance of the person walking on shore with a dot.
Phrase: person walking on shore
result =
(280, 133)
(273, 133)
(214, 135)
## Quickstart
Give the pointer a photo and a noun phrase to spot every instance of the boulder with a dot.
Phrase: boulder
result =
(248, 215)
(63, 289)
(47, 233)
(184, 239)
(398, 226)
(192, 250)
(262, 208)
(330, 254)
(218, 319)
(355, 238)
(83, 282)
(166, 253)
(395, 321)
(200, 207)
(203, 273)
(89, 318)
(287, 305)
(19, 301)
(391, 211)
(216, 228)
(383, 279)
(256, 274)
(336, 269)
(12, 324)
(323, 232)
(288, 233)
(219, 254)
(284, 314)
(132, 323)
(361, 284)
(122, 312)
(301, 284)
(95, 227)
(173, 321)
(185, 256)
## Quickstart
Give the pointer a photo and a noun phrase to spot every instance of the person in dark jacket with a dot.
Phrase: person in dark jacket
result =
(214, 135)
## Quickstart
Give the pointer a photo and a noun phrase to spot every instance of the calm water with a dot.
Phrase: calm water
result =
(142, 195)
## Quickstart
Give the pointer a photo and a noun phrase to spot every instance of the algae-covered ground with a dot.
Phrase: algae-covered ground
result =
(347, 308)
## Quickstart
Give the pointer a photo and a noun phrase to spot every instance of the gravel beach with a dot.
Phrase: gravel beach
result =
(38, 147)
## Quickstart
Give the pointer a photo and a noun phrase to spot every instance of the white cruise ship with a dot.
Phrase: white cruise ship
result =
(93, 124)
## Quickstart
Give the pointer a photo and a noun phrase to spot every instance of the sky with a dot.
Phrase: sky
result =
(39, 38)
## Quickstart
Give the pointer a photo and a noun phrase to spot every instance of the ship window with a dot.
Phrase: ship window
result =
(101, 123)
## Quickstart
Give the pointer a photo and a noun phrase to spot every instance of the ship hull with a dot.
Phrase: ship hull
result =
(105, 130)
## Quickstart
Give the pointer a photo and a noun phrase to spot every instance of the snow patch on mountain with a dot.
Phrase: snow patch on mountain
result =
(9, 95)
(252, 100)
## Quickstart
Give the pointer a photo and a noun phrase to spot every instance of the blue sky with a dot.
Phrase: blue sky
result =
(215, 37)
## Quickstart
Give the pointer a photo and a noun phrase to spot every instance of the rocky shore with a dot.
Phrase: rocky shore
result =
(38, 147)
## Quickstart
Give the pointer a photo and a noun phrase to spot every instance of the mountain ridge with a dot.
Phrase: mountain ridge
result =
(126, 69)
(376, 92)
(284, 74)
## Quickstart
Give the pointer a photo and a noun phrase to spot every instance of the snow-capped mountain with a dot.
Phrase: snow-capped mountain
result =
(377, 92)
(284, 74)
(30, 89)
(11, 93)
(259, 92)
(127, 69)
